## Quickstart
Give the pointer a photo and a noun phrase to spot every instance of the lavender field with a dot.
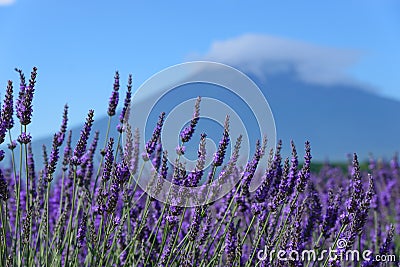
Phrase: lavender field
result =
(81, 206)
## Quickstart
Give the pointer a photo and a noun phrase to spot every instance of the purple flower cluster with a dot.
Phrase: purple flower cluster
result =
(91, 212)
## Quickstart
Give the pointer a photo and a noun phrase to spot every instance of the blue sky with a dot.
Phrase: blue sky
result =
(77, 45)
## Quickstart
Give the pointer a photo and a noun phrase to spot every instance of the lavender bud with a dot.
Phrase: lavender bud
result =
(8, 110)
(81, 231)
(113, 103)
(24, 138)
(127, 102)
(151, 144)
(187, 133)
(223, 145)
(81, 145)
(4, 193)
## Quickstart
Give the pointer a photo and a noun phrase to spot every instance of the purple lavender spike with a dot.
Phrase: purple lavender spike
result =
(24, 101)
(187, 133)
(223, 145)
(151, 144)
(127, 102)
(81, 145)
(8, 109)
(113, 103)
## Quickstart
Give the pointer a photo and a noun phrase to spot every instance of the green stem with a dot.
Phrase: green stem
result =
(342, 228)
(258, 239)
(102, 157)
(4, 225)
(71, 215)
(316, 245)
(177, 234)
(47, 225)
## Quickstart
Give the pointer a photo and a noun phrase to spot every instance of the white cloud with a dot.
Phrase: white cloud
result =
(6, 2)
(263, 54)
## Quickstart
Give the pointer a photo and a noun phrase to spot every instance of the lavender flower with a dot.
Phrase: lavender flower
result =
(121, 176)
(357, 190)
(63, 128)
(108, 161)
(314, 211)
(331, 215)
(24, 138)
(127, 102)
(54, 156)
(3, 131)
(81, 145)
(195, 224)
(223, 145)
(304, 174)
(151, 144)
(231, 244)
(384, 249)
(293, 170)
(187, 133)
(8, 110)
(4, 193)
(31, 171)
(81, 231)
(135, 156)
(113, 103)
(12, 145)
(24, 101)
(67, 152)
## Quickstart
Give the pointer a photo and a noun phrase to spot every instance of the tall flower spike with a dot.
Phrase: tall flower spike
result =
(223, 145)
(121, 176)
(24, 101)
(357, 189)
(8, 109)
(4, 193)
(3, 131)
(6, 118)
(108, 160)
(31, 170)
(67, 152)
(231, 244)
(151, 144)
(294, 163)
(135, 156)
(64, 124)
(187, 133)
(331, 214)
(384, 249)
(304, 174)
(123, 117)
(113, 103)
(82, 142)
(54, 156)
(128, 148)
(81, 231)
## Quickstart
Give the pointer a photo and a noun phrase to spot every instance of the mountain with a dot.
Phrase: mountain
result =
(337, 119)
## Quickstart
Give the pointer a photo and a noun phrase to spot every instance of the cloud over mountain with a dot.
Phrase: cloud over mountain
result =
(265, 54)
